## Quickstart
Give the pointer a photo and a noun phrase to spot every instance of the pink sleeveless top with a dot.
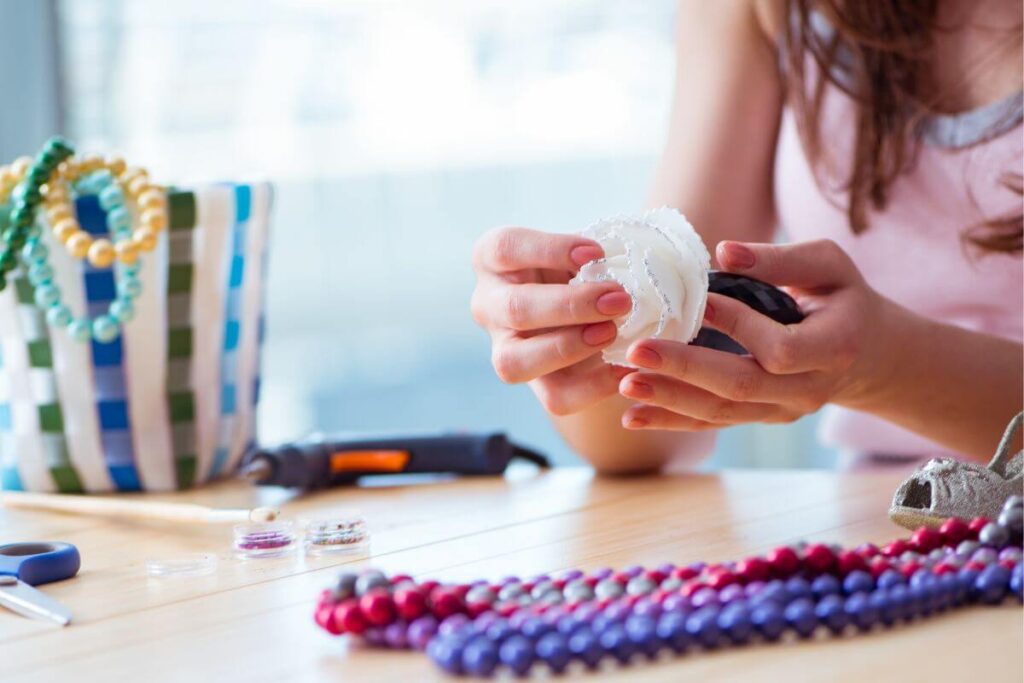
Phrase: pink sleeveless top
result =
(912, 251)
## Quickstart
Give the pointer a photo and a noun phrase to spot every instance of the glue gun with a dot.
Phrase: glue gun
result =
(322, 462)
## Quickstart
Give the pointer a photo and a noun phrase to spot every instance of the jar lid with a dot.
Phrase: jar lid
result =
(336, 531)
(185, 566)
(270, 539)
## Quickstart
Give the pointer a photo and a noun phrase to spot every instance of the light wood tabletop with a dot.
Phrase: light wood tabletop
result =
(252, 620)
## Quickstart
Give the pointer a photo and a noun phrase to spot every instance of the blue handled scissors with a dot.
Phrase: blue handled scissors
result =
(24, 565)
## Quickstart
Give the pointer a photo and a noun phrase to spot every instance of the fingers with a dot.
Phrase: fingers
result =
(812, 266)
(651, 417)
(694, 402)
(518, 359)
(780, 349)
(737, 378)
(505, 250)
(578, 387)
(536, 307)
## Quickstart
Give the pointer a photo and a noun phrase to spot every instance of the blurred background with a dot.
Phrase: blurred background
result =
(395, 132)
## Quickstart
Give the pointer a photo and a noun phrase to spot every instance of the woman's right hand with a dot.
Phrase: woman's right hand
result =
(544, 331)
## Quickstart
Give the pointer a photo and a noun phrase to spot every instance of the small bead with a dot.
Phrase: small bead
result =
(830, 612)
(446, 653)
(78, 244)
(34, 251)
(154, 219)
(994, 535)
(480, 657)
(608, 589)
(826, 584)
(105, 329)
(1012, 518)
(64, 229)
(377, 606)
(768, 620)
(145, 238)
(118, 218)
(421, 631)
(20, 166)
(553, 650)
(734, 620)
(47, 295)
(975, 526)
(101, 253)
(368, 580)
(116, 165)
(80, 330)
(138, 185)
(799, 614)
(953, 530)
(584, 646)
(517, 654)
(127, 252)
(925, 539)
(819, 557)
(152, 199)
(858, 582)
(58, 316)
(58, 213)
(122, 309)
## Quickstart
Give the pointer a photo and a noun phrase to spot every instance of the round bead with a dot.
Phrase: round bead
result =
(65, 229)
(368, 580)
(58, 316)
(154, 219)
(105, 329)
(967, 548)
(975, 526)
(420, 631)
(848, 561)
(798, 587)
(826, 584)
(753, 569)
(119, 219)
(953, 530)
(891, 578)
(896, 548)
(447, 653)
(34, 251)
(768, 620)
(642, 633)
(344, 586)
(139, 184)
(1016, 500)
(58, 213)
(860, 611)
(480, 657)
(994, 535)
(858, 582)
(992, 583)
(152, 199)
(1012, 519)
(926, 539)
(702, 627)
(122, 309)
(640, 585)
(47, 295)
(830, 612)
(349, 618)
(395, 636)
(127, 252)
(40, 274)
(799, 615)
(517, 654)
(78, 244)
(784, 561)
(819, 557)
(446, 602)
(584, 646)
(145, 238)
(608, 589)
(80, 330)
(101, 253)
(578, 591)
(734, 621)
(111, 197)
(129, 286)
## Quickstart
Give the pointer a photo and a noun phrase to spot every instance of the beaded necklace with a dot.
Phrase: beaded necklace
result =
(42, 192)
(586, 619)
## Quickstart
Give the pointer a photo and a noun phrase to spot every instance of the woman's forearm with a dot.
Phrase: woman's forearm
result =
(954, 386)
(597, 435)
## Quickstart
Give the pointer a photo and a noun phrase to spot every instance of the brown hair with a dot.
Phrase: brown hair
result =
(883, 44)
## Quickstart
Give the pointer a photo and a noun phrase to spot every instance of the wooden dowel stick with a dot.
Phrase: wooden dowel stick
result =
(138, 509)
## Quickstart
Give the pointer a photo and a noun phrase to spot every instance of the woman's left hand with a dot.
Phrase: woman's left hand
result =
(836, 354)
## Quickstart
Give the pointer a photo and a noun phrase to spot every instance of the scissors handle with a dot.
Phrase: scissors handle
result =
(39, 563)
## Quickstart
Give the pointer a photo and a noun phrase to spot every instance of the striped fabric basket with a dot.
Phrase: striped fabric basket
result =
(169, 404)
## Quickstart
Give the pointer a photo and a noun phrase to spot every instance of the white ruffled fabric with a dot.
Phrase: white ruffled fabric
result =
(661, 262)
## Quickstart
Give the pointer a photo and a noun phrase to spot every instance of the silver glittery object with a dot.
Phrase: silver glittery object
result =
(967, 548)
(551, 597)
(541, 588)
(511, 591)
(944, 488)
(1013, 519)
(608, 589)
(671, 584)
(344, 586)
(994, 535)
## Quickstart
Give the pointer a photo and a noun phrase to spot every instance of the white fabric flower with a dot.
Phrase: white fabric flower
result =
(661, 262)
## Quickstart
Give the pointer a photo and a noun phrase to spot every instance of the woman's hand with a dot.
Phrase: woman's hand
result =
(544, 331)
(834, 355)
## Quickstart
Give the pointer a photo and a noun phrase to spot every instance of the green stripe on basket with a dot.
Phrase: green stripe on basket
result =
(24, 291)
(182, 407)
(179, 278)
(179, 343)
(50, 418)
(185, 467)
(66, 479)
(182, 209)
(39, 354)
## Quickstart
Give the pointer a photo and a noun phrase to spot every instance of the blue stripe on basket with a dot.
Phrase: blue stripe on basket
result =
(232, 327)
(10, 480)
(107, 359)
(5, 417)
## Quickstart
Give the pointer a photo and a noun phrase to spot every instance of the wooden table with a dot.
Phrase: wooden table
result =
(252, 620)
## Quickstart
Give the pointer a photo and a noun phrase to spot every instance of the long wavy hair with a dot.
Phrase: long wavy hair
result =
(884, 46)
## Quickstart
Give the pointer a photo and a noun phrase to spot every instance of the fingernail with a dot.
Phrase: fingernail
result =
(614, 303)
(638, 389)
(736, 255)
(599, 333)
(646, 357)
(585, 254)
(636, 423)
(709, 312)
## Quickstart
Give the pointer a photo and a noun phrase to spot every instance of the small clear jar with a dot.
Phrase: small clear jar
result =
(267, 539)
(336, 532)
(186, 566)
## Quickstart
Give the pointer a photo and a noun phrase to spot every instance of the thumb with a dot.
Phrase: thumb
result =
(805, 265)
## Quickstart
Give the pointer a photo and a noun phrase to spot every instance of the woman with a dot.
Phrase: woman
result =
(884, 140)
